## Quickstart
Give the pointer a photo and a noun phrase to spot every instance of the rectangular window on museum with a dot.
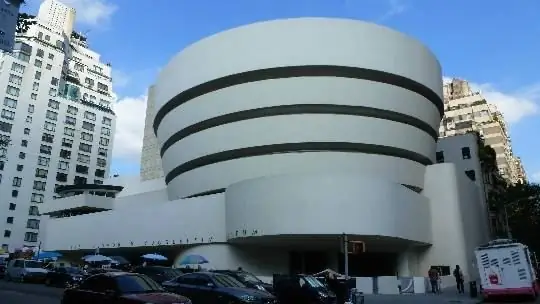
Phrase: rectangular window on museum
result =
(439, 156)
(466, 152)
(471, 175)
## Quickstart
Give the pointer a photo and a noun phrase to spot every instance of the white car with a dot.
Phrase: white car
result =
(25, 271)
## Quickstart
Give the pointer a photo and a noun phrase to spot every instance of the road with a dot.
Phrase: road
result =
(17, 293)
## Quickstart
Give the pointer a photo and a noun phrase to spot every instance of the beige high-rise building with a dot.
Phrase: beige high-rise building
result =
(57, 15)
(151, 167)
(467, 110)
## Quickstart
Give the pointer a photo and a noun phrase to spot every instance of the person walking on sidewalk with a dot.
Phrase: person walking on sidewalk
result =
(458, 274)
(433, 275)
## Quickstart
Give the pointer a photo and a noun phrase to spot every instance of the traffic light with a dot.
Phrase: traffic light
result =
(356, 247)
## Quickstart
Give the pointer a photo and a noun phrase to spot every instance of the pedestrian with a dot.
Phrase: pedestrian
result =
(458, 274)
(433, 275)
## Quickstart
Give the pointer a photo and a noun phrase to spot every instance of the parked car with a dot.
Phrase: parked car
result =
(25, 271)
(216, 288)
(64, 276)
(247, 279)
(159, 274)
(120, 288)
(3, 266)
(300, 289)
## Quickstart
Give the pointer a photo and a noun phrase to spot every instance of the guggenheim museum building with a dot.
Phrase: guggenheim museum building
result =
(276, 139)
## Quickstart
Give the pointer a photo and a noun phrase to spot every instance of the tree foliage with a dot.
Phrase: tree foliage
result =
(521, 203)
(24, 22)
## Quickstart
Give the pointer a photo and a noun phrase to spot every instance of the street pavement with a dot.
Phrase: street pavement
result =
(19, 293)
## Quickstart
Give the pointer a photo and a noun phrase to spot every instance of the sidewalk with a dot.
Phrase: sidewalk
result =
(447, 296)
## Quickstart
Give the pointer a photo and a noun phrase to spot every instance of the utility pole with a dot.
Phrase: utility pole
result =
(346, 255)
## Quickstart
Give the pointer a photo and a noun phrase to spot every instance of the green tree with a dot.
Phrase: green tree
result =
(24, 22)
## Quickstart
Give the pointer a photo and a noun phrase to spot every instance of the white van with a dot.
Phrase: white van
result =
(25, 270)
(506, 269)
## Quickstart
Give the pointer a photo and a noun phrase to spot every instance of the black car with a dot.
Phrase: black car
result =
(216, 288)
(64, 276)
(120, 288)
(300, 289)
(159, 274)
(248, 279)
(3, 266)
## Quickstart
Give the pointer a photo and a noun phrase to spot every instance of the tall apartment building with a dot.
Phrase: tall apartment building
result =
(57, 115)
(151, 167)
(466, 110)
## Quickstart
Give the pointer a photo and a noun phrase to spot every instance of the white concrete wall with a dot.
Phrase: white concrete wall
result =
(326, 204)
(239, 50)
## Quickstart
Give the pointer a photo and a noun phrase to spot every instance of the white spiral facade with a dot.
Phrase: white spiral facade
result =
(298, 96)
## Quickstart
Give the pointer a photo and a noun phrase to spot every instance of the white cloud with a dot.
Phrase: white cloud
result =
(120, 79)
(396, 7)
(515, 105)
(130, 116)
(92, 12)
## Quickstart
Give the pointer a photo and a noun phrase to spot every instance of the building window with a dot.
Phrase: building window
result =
(51, 56)
(89, 82)
(102, 152)
(471, 175)
(12, 206)
(466, 152)
(102, 87)
(13, 91)
(26, 131)
(87, 136)
(33, 211)
(65, 154)
(11, 103)
(43, 161)
(9, 115)
(81, 169)
(49, 67)
(39, 185)
(3, 153)
(40, 53)
(41, 173)
(7, 233)
(72, 110)
(85, 148)
(439, 156)
(70, 120)
(88, 126)
(85, 159)
(17, 181)
(89, 115)
(79, 180)
(37, 75)
(23, 57)
(1, 165)
(9, 220)
(33, 96)
(52, 92)
(69, 131)
(98, 182)
(5, 127)
(32, 224)
(49, 126)
(31, 108)
(35, 86)
(24, 143)
(51, 115)
(103, 141)
(30, 237)
(66, 142)
(29, 119)
(100, 173)
(17, 80)
(79, 67)
(22, 155)
(53, 104)
(47, 137)
(54, 81)
(37, 198)
(105, 131)
(106, 121)
(62, 165)
(19, 68)
(20, 168)
(14, 193)
(61, 177)
(101, 162)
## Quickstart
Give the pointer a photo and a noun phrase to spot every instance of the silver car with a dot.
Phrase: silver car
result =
(25, 271)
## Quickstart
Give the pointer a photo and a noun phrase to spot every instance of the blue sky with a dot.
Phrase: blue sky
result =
(490, 43)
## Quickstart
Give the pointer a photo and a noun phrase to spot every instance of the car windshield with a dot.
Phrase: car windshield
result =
(128, 284)
(227, 281)
(172, 273)
(73, 270)
(313, 282)
(33, 264)
(248, 277)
